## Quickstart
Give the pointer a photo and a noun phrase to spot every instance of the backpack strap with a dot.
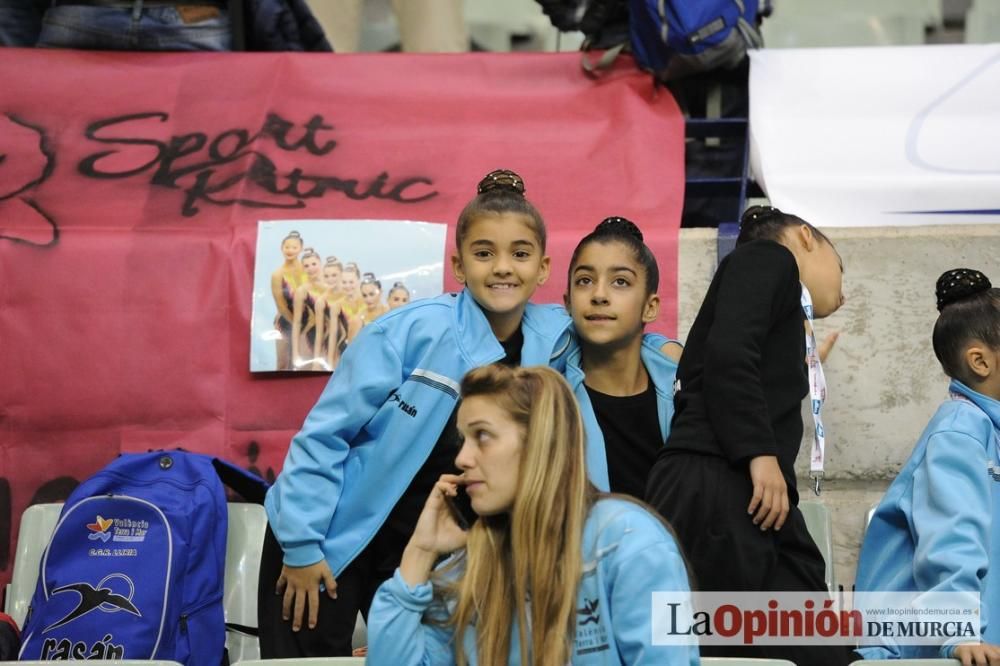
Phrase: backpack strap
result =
(250, 487)
(595, 68)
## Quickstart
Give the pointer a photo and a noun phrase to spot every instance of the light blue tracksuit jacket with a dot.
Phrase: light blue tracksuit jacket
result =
(380, 416)
(938, 526)
(627, 554)
(662, 371)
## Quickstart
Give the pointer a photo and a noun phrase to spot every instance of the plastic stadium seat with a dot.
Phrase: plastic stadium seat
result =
(906, 662)
(813, 23)
(37, 524)
(493, 25)
(744, 661)
(247, 523)
(982, 24)
(245, 538)
(309, 661)
(122, 662)
(820, 527)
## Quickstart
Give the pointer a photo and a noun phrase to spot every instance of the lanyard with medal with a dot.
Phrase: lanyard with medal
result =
(817, 394)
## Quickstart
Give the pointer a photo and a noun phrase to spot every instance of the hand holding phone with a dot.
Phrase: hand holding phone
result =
(456, 513)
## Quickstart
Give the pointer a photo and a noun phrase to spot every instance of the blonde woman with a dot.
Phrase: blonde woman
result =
(284, 281)
(549, 564)
(371, 296)
(330, 323)
(350, 284)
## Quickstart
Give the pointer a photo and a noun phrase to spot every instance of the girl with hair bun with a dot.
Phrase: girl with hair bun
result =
(398, 296)
(937, 529)
(350, 284)
(383, 431)
(726, 478)
(551, 572)
(284, 281)
(623, 379)
(371, 293)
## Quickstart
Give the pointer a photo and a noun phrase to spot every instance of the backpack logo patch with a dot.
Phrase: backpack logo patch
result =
(99, 529)
(103, 598)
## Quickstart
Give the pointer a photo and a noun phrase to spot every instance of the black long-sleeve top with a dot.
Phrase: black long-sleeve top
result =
(743, 374)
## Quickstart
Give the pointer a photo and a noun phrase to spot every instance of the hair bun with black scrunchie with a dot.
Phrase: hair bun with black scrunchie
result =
(501, 179)
(618, 226)
(958, 284)
(757, 214)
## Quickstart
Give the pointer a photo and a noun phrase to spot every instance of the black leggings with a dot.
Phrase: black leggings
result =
(705, 500)
(334, 629)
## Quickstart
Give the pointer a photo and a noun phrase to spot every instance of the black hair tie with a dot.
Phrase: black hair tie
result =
(618, 226)
(758, 215)
(958, 284)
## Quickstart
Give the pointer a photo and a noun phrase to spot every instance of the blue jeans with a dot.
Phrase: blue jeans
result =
(20, 23)
(155, 28)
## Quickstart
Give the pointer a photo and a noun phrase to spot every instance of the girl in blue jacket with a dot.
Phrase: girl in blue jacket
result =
(623, 380)
(551, 572)
(370, 451)
(938, 527)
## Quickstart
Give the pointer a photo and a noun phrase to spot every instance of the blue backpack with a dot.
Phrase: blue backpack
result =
(670, 38)
(135, 566)
(674, 39)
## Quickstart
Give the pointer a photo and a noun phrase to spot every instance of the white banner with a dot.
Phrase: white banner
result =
(879, 136)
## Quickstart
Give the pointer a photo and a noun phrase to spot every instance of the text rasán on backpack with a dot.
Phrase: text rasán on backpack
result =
(135, 566)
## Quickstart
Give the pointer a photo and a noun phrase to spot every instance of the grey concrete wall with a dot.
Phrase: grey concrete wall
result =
(883, 380)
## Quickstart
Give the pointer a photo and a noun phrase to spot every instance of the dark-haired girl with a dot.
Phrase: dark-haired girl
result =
(358, 472)
(284, 281)
(623, 379)
(938, 527)
(398, 296)
(725, 479)
(304, 342)
(371, 294)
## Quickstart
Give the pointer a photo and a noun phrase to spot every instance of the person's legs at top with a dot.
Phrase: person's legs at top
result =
(432, 26)
(199, 26)
(341, 21)
(20, 23)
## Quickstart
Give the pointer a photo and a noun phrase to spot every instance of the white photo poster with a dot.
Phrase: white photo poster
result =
(317, 283)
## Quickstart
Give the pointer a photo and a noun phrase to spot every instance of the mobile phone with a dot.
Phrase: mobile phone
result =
(456, 514)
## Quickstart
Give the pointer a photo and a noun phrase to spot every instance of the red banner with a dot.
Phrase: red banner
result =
(130, 189)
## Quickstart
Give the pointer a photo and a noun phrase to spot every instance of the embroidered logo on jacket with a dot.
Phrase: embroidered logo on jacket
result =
(591, 636)
(404, 406)
(589, 612)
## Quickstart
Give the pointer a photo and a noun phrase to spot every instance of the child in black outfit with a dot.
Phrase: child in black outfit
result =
(725, 479)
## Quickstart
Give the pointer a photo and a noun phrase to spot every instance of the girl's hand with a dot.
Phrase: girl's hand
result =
(437, 533)
(769, 505)
(437, 529)
(300, 585)
(826, 346)
(978, 654)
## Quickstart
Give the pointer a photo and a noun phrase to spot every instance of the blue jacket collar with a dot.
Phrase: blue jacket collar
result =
(985, 403)
(549, 325)
(651, 356)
